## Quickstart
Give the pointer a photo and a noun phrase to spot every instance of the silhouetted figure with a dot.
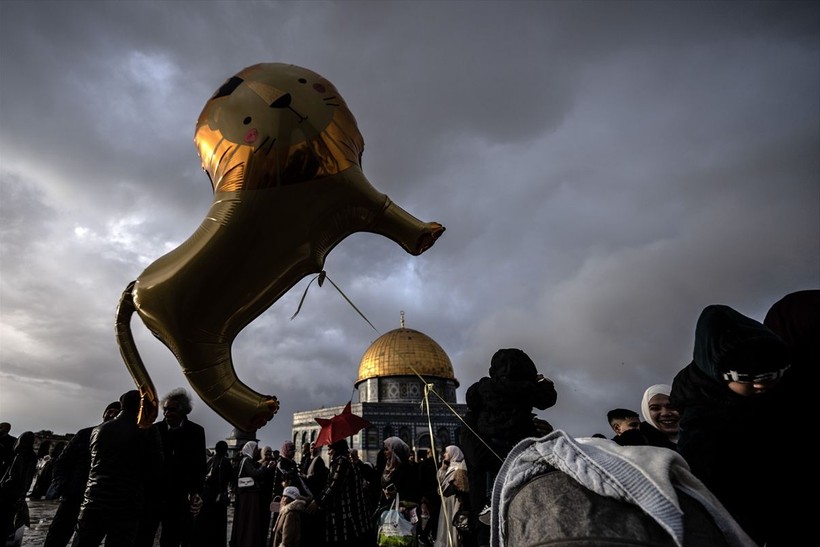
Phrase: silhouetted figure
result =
(123, 458)
(178, 498)
(211, 526)
(69, 479)
(739, 399)
(500, 413)
(15, 483)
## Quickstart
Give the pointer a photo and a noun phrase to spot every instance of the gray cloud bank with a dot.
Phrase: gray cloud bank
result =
(604, 170)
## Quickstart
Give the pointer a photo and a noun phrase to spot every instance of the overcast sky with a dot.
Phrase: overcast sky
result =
(604, 170)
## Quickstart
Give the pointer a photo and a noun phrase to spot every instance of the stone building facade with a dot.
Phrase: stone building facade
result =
(405, 388)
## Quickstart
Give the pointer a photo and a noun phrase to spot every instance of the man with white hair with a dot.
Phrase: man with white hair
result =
(179, 491)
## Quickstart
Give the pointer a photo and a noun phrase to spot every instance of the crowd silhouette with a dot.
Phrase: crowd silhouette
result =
(708, 464)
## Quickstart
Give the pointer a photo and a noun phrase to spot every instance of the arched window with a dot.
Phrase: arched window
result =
(388, 431)
(444, 437)
(404, 434)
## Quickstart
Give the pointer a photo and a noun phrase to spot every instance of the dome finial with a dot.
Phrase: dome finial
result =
(402, 318)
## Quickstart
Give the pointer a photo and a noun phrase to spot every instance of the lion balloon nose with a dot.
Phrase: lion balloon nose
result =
(283, 154)
(251, 136)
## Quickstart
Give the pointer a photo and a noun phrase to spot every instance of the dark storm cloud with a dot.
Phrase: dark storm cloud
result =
(604, 170)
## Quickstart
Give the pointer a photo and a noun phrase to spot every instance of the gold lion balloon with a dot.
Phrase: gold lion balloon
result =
(283, 154)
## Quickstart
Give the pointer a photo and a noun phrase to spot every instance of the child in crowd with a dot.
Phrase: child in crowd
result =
(287, 532)
(626, 424)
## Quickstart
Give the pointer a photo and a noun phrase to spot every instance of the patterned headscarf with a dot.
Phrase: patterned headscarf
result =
(287, 448)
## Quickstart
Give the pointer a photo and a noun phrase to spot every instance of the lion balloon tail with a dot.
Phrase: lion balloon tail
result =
(283, 155)
(149, 407)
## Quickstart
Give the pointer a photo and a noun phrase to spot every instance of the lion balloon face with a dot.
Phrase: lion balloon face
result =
(283, 154)
(275, 124)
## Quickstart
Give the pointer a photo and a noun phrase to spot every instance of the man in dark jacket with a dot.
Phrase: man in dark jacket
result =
(123, 458)
(69, 480)
(178, 496)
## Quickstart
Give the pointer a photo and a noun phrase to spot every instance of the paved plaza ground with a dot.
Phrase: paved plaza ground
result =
(41, 513)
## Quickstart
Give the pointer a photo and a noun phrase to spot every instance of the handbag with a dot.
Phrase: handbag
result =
(394, 529)
(461, 520)
(244, 482)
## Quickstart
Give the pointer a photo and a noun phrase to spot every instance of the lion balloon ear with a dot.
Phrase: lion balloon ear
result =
(282, 152)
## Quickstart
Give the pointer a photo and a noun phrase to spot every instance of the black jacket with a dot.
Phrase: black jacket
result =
(219, 476)
(123, 458)
(71, 468)
(185, 459)
(18, 476)
(503, 408)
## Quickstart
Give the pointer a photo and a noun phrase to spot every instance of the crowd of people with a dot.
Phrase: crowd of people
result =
(712, 449)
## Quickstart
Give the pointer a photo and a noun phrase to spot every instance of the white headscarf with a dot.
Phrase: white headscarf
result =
(456, 457)
(651, 391)
(249, 449)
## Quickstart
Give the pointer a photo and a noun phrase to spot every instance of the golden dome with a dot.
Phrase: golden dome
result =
(405, 352)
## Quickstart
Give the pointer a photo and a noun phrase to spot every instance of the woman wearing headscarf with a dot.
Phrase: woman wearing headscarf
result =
(247, 528)
(400, 475)
(660, 425)
(342, 501)
(454, 484)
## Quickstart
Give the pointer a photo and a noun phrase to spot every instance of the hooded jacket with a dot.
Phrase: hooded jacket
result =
(736, 444)
(124, 458)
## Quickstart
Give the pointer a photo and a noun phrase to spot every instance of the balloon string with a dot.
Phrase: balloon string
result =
(304, 294)
(425, 403)
(429, 388)
(432, 390)
(321, 277)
